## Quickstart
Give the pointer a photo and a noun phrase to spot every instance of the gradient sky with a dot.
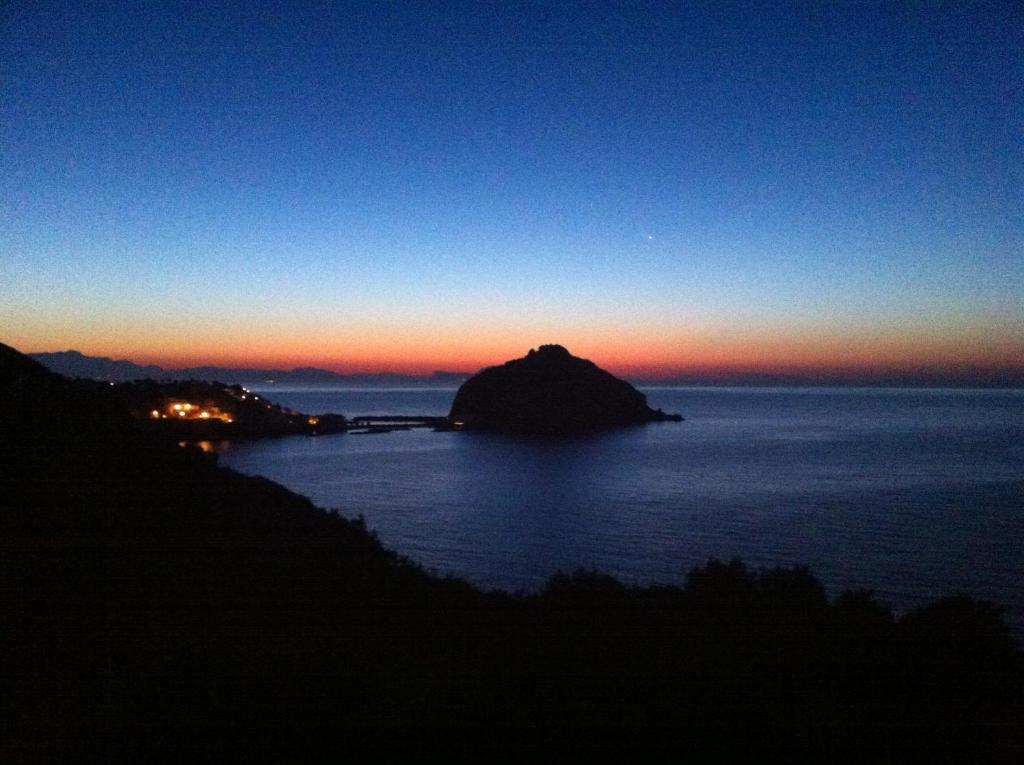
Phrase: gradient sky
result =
(418, 186)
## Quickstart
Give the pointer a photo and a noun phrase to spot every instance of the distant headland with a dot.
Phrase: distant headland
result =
(551, 392)
(75, 364)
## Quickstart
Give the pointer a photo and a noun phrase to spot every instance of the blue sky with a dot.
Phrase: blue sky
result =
(636, 180)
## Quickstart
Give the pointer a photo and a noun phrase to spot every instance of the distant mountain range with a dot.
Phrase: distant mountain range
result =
(75, 364)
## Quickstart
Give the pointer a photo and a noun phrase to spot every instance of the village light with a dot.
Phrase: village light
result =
(189, 411)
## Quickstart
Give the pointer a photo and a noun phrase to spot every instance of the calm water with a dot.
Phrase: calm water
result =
(910, 493)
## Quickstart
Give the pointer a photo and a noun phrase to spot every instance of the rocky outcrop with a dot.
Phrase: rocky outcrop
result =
(552, 392)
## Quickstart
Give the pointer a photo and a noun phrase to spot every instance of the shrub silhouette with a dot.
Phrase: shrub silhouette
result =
(960, 647)
(723, 585)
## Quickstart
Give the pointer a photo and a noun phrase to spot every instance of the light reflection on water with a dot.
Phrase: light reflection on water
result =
(911, 493)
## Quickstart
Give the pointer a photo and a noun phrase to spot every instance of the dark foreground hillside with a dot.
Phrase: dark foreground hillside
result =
(155, 605)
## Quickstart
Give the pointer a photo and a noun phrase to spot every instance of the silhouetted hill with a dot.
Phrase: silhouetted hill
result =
(77, 365)
(156, 606)
(550, 391)
(74, 364)
(15, 366)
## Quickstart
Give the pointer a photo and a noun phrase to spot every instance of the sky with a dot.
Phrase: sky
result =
(662, 188)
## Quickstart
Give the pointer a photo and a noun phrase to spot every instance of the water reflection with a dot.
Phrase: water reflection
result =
(909, 493)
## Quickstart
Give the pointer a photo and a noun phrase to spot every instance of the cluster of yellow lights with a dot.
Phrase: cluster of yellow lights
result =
(191, 412)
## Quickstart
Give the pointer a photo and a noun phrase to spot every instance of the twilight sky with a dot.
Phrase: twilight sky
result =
(419, 186)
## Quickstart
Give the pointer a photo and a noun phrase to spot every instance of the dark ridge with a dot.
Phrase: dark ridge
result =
(550, 392)
(15, 367)
(155, 606)
(74, 364)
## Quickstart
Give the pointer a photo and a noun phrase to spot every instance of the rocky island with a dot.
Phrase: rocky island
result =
(550, 392)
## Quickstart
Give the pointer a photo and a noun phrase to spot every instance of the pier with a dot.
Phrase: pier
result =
(379, 423)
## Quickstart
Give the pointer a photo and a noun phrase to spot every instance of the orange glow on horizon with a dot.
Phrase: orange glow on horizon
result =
(628, 351)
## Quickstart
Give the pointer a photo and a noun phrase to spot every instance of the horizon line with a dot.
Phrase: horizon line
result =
(932, 376)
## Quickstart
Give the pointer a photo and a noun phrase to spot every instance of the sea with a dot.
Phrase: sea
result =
(913, 494)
